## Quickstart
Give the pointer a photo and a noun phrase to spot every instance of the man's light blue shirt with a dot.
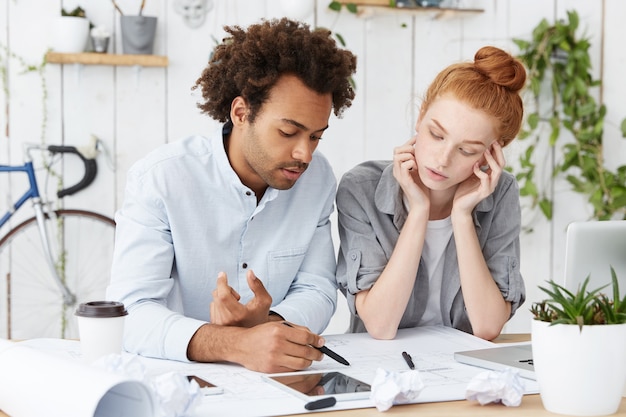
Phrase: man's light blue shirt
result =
(186, 216)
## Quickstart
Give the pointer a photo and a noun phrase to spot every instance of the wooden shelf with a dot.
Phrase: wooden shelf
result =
(94, 58)
(366, 11)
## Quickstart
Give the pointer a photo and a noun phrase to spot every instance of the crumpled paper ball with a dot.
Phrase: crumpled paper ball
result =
(504, 386)
(173, 394)
(389, 388)
(177, 397)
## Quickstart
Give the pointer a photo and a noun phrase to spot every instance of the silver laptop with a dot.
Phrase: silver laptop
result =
(519, 357)
(591, 248)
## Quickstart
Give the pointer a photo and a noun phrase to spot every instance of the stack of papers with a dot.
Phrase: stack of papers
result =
(45, 377)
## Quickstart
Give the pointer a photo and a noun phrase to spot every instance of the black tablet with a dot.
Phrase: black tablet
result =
(315, 385)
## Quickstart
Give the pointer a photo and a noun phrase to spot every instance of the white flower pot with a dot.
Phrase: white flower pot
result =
(70, 34)
(580, 373)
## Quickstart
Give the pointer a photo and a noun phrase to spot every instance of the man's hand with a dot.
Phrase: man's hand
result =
(226, 310)
(270, 347)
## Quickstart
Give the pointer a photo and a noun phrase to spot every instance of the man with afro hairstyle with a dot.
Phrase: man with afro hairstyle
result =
(222, 240)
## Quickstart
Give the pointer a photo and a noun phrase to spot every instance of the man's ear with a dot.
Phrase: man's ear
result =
(239, 111)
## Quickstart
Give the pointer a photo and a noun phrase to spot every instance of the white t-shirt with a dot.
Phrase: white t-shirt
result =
(438, 234)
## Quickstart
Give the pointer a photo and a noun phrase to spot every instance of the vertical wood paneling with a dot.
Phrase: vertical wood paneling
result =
(4, 153)
(536, 248)
(26, 95)
(614, 86)
(388, 69)
(343, 141)
(186, 65)
(4, 21)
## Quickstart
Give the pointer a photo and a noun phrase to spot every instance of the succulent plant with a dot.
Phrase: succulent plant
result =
(584, 307)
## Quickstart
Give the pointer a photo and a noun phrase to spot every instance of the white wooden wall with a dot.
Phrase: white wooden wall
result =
(134, 110)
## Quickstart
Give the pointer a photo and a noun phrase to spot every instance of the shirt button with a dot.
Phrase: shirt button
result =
(353, 257)
(244, 265)
(248, 193)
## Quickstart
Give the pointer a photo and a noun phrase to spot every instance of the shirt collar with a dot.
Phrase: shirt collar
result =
(270, 193)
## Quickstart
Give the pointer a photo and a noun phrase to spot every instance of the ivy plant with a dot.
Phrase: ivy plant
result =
(7, 55)
(556, 58)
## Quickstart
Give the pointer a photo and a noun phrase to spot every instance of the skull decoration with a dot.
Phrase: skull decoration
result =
(193, 11)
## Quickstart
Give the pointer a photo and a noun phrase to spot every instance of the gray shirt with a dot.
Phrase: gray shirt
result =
(371, 215)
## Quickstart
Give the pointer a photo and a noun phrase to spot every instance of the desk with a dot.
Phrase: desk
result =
(531, 404)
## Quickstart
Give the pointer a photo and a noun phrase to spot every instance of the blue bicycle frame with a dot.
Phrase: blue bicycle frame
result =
(33, 191)
(38, 205)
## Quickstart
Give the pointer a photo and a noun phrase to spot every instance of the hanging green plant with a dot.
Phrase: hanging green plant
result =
(23, 68)
(556, 57)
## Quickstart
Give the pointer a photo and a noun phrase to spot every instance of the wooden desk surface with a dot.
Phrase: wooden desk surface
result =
(531, 404)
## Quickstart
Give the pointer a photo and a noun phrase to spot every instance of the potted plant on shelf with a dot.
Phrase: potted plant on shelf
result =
(579, 349)
(138, 31)
(71, 31)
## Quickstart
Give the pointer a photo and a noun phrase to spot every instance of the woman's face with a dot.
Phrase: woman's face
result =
(451, 138)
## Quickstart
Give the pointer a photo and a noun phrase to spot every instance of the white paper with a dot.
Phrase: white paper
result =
(36, 383)
(247, 394)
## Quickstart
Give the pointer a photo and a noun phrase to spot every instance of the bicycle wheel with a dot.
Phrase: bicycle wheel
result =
(82, 245)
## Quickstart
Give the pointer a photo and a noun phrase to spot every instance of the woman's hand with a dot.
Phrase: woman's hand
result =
(480, 185)
(405, 172)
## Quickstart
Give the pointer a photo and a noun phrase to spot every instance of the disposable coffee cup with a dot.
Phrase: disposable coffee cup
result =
(101, 328)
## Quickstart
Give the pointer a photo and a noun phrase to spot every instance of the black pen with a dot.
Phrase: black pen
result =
(322, 403)
(325, 350)
(408, 360)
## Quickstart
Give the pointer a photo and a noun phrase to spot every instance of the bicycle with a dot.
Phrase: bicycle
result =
(55, 259)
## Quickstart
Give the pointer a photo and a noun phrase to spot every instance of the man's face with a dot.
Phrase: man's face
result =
(278, 146)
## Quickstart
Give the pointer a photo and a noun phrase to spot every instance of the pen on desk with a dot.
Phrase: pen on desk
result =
(326, 351)
(408, 360)
(322, 403)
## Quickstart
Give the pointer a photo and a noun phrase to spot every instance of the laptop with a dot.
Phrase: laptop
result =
(592, 247)
(518, 357)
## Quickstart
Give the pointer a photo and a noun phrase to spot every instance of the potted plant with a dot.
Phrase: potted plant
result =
(579, 349)
(138, 31)
(71, 31)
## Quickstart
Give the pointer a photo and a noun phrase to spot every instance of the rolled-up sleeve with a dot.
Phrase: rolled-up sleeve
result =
(502, 243)
(362, 254)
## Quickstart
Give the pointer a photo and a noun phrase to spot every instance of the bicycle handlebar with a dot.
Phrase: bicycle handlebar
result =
(91, 169)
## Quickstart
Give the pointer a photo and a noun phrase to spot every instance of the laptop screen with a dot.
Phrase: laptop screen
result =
(591, 249)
